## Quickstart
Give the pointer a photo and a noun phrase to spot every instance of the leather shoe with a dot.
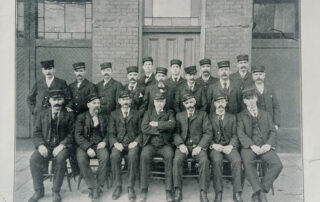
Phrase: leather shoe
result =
(177, 195)
(169, 197)
(96, 195)
(36, 195)
(255, 197)
(131, 194)
(117, 192)
(203, 196)
(56, 197)
(262, 197)
(218, 197)
(143, 195)
(237, 197)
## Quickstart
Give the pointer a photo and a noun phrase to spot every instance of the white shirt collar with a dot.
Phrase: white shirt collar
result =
(176, 77)
(122, 110)
(105, 82)
(222, 82)
(242, 74)
(205, 79)
(134, 86)
(260, 87)
(49, 81)
(254, 112)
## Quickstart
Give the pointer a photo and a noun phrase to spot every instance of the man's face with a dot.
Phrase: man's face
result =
(80, 73)
(258, 77)
(94, 106)
(48, 72)
(205, 69)
(251, 102)
(190, 104)
(220, 104)
(106, 73)
(56, 102)
(159, 104)
(191, 78)
(132, 77)
(160, 76)
(125, 102)
(147, 67)
(224, 72)
(175, 70)
(243, 66)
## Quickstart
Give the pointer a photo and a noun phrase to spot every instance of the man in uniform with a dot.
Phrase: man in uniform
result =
(148, 78)
(92, 137)
(136, 89)
(226, 86)
(192, 87)
(53, 134)
(108, 89)
(257, 136)
(206, 79)
(124, 131)
(157, 128)
(267, 98)
(224, 144)
(242, 77)
(38, 96)
(192, 138)
(176, 79)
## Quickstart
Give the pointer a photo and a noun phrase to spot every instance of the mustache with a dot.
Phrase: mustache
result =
(206, 71)
(106, 74)
(220, 107)
(96, 108)
(258, 79)
(132, 79)
(243, 67)
(57, 105)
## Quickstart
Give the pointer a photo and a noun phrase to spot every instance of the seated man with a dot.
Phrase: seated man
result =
(157, 127)
(51, 143)
(192, 138)
(224, 144)
(91, 136)
(124, 131)
(257, 136)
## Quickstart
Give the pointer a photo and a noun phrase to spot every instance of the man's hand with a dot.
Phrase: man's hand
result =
(101, 145)
(118, 146)
(196, 151)
(257, 150)
(154, 124)
(58, 149)
(69, 109)
(132, 145)
(227, 149)
(217, 147)
(43, 150)
(91, 153)
(266, 148)
(277, 127)
(183, 149)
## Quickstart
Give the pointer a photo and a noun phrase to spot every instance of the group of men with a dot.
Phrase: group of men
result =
(234, 116)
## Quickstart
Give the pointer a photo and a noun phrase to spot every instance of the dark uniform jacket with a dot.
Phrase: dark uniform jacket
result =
(165, 128)
(268, 101)
(206, 84)
(117, 129)
(42, 130)
(200, 129)
(175, 84)
(38, 98)
(83, 131)
(78, 101)
(229, 129)
(150, 81)
(136, 95)
(233, 94)
(109, 95)
(242, 82)
(198, 93)
(245, 128)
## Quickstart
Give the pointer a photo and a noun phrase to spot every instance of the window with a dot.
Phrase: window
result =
(20, 18)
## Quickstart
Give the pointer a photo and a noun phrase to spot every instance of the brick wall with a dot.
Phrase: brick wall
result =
(115, 36)
(228, 29)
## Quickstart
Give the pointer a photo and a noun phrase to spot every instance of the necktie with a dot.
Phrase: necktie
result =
(55, 116)
(225, 85)
(146, 80)
(125, 114)
(131, 88)
(220, 123)
(95, 121)
(175, 79)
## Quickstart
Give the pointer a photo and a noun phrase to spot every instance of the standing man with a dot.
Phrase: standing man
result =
(192, 138)
(148, 78)
(193, 88)
(267, 98)
(257, 136)
(108, 89)
(124, 130)
(206, 79)
(226, 86)
(176, 79)
(157, 128)
(38, 96)
(53, 135)
(224, 144)
(242, 77)
(92, 138)
(136, 89)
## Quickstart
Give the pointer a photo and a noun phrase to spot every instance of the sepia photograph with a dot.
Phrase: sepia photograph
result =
(158, 100)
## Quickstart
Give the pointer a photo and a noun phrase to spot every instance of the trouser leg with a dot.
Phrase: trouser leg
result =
(204, 170)
(103, 157)
(87, 173)
(236, 169)
(133, 165)
(167, 153)
(145, 159)
(248, 157)
(60, 169)
(216, 158)
(115, 159)
(38, 165)
(178, 162)
(73, 159)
